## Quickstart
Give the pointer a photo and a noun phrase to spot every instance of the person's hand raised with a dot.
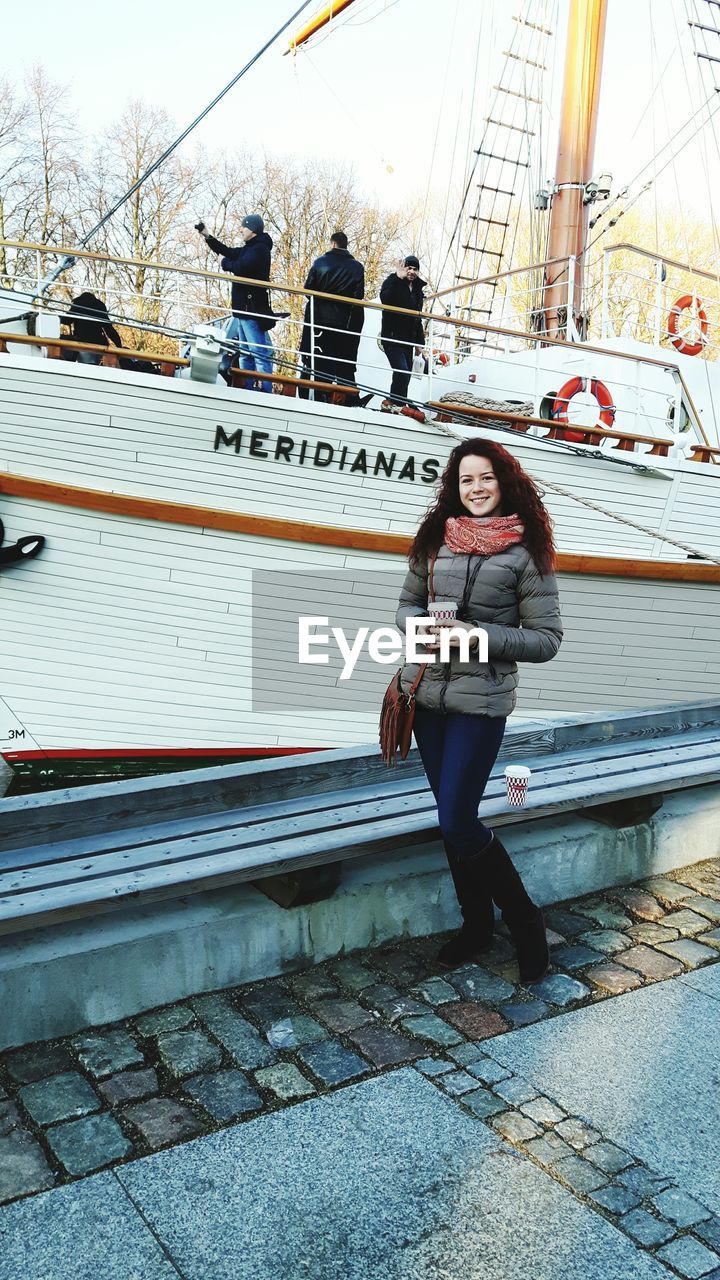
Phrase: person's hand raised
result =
(401, 270)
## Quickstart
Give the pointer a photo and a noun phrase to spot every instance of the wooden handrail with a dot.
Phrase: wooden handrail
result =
(708, 450)
(238, 376)
(519, 334)
(475, 411)
(69, 344)
(319, 534)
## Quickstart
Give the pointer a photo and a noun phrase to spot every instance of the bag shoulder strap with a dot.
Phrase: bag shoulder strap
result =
(431, 591)
(431, 568)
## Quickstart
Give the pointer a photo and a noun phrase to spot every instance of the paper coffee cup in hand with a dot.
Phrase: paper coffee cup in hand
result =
(443, 610)
(517, 778)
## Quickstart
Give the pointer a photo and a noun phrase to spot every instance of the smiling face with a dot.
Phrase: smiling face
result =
(479, 487)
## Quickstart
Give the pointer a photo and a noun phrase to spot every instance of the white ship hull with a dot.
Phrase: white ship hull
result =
(132, 631)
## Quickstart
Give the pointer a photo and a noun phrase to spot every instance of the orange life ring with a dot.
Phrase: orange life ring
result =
(559, 411)
(681, 344)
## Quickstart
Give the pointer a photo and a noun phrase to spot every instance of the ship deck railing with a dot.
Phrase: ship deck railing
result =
(510, 349)
(640, 290)
(288, 825)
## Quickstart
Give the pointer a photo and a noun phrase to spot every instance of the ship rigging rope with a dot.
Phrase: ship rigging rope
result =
(67, 262)
(532, 85)
(676, 179)
(691, 14)
(454, 241)
(703, 141)
(350, 18)
(714, 97)
(439, 119)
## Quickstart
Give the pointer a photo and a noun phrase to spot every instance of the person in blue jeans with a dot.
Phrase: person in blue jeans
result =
(486, 544)
(252, 316)
(256, 350)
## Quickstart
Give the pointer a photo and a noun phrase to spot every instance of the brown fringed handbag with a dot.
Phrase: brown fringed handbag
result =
(398, 708)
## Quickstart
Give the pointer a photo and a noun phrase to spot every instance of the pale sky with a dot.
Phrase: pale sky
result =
(385, 90)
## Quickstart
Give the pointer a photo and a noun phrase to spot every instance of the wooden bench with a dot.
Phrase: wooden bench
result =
(289, 384)
(280, 823)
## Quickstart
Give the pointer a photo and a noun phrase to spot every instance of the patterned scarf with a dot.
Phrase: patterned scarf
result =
(485, 537)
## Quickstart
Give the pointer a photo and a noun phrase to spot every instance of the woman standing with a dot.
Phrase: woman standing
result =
(492, 539)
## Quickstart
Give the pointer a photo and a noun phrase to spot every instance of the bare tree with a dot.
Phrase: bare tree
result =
(148, 227)
(53, 157)
(13, 121)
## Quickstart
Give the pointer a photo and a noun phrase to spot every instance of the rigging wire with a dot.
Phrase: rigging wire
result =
(352, 20)
(711, 398)
(653, 117)
(482, 13)
(528, 184)
(435, 263)
(516, 119)
(489, 140)
(67, 262)
(703, 140)
(714, 98)
(438, 121)
(453, 247)
(341, 20)
(673, 54)
(361, 130)
(543, 239)
(676, 180)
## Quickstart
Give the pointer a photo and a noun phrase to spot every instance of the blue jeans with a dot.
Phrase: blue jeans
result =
(400, 358)
(458, 753)
(256, 351)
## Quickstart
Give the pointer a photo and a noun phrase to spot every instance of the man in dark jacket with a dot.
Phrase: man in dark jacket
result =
(252, 317)
(335, 327)
(402, 336)
(89, 322)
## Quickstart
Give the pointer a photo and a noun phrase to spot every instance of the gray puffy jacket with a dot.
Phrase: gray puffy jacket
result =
(512, 601)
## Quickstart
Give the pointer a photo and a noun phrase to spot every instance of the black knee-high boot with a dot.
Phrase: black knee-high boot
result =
(524, 920)
(476, 907)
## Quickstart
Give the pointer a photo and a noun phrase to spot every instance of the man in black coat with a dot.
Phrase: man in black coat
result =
(252, 317)
(402, 336)
(336, 326)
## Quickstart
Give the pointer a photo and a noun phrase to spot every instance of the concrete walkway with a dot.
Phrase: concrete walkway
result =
(583, 1145)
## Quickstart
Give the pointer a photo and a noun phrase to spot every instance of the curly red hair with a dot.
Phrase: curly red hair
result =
(519, 496)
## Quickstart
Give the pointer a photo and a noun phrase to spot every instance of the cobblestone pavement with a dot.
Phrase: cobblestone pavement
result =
(109, 1095)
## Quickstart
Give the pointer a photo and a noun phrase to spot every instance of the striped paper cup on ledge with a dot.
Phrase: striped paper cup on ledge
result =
(517, 777)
